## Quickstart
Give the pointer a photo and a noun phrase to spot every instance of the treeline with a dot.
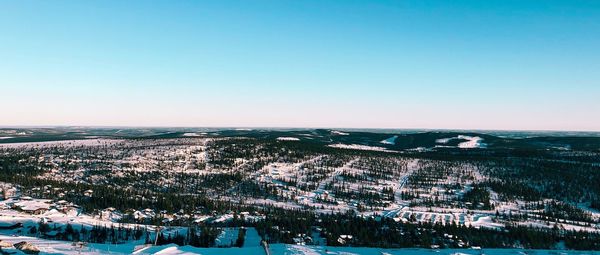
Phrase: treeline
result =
(349, 229)
(95, 234)
(384, 232)
(198, 236)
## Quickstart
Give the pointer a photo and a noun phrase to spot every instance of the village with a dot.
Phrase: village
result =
(155, 191)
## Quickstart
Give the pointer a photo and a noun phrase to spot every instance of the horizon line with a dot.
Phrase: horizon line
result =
(289, 127)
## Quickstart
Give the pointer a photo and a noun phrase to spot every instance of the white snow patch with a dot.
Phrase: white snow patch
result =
(283, 138)
(358, 147)
(65, 143)
(444, 140)
(314, 250)
(175, 249)
(335, 132)
(35, 204)
(472, 142)
(64, 247)
(391, 140)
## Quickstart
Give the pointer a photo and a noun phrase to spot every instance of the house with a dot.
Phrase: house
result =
(65, 206)
(8, 192)
(32, 206)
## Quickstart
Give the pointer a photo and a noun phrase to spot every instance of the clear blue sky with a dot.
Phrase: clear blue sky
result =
(387, 64)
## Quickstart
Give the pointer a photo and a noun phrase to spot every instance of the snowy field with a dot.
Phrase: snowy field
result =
(69, 248)
(65, 143)
(358, 147)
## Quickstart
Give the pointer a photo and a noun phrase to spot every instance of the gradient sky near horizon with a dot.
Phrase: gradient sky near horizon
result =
(523, 65)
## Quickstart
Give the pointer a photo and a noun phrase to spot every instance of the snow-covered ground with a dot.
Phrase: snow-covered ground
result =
(306, 250)
(336, 132)
(288, 139)
(47, 247)
(84, 142)
(63, 247)
(472, 142)
(477, 218)
(303, 182)
(359, 147)
(391, 140)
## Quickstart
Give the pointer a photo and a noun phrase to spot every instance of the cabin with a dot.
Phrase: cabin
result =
(32, 206)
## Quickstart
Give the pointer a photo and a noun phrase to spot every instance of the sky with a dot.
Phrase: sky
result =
(501, 65)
